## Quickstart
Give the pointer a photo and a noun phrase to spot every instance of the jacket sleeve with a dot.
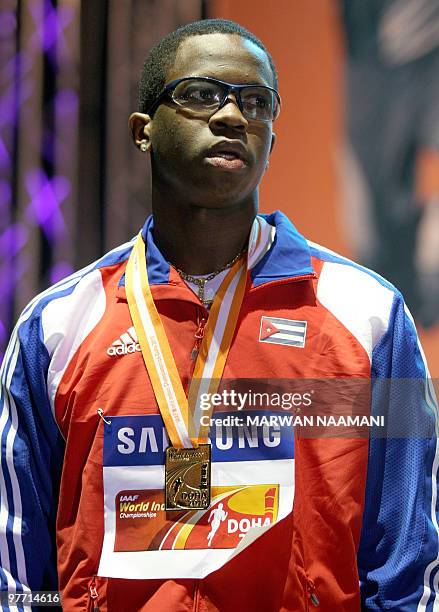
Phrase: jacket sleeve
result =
(31, 461)
(398, 555)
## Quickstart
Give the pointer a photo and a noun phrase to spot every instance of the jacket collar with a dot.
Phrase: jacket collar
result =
(288, 257)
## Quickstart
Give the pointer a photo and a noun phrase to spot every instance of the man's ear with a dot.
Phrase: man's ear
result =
(273, 140)
(140, 126)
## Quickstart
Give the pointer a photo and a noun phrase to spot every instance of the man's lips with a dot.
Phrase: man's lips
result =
(227, 155)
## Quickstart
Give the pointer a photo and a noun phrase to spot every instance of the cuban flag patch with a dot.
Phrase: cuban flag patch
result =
(283, 331)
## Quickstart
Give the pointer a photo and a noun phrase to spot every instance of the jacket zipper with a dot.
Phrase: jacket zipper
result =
(94, 595)
(312, 593)
(199, 335)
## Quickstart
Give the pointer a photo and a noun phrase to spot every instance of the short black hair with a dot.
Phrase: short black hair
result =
(162, 55)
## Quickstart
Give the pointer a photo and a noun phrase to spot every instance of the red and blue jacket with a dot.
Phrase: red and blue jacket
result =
(297, 523)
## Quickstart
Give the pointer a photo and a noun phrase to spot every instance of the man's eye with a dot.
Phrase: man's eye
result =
(200, 94)
(205, 94)
(257, 101)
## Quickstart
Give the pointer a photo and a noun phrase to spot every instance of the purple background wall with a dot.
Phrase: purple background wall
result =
(71, 183)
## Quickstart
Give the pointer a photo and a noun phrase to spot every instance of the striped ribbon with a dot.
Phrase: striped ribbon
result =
(182, 416)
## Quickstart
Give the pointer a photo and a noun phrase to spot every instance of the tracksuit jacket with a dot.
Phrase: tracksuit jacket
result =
(298, 523)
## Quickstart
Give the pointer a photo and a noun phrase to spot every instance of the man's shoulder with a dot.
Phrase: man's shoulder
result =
(328, 263)
(355, 277)
(363, 301)
(81, 290)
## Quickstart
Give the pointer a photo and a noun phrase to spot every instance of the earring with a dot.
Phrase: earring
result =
(143, 146)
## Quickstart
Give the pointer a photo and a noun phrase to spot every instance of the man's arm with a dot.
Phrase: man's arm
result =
(31, 462)
(398, 557)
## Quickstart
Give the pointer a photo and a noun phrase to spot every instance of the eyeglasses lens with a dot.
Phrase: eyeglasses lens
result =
(198, 95)
(259, 103)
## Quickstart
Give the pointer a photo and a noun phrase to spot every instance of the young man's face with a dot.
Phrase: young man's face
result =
(181, 142)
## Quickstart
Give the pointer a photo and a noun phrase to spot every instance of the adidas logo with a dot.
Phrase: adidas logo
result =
(126, 343)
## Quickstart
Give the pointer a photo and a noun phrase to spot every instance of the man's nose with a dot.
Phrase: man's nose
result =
(229, 116)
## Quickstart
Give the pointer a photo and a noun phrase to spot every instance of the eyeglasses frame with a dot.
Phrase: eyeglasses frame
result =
(230, 88)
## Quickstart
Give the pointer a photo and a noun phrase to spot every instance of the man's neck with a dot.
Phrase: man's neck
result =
(202, 240)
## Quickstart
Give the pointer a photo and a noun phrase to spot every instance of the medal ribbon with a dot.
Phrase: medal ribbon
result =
(180, 415)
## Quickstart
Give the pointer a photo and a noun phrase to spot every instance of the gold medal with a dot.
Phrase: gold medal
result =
(187, 478)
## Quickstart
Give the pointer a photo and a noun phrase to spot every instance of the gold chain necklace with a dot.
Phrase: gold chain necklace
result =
(201, 282)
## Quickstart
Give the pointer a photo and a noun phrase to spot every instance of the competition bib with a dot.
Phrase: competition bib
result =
(252, 489)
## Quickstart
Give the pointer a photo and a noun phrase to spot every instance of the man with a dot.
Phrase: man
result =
(109, 373)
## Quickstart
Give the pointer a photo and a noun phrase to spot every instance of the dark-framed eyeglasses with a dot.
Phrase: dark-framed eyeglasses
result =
(204, 96)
